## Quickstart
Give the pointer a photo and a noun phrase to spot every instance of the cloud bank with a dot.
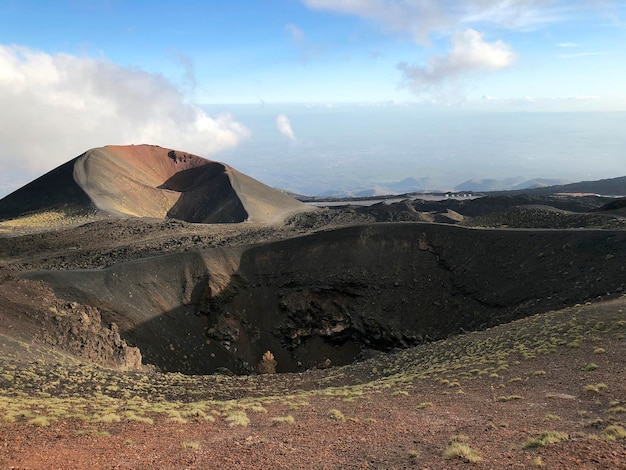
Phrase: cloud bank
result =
(57, 106)
(284, 126)
(421, 18)
(460, 23)
(469, 53)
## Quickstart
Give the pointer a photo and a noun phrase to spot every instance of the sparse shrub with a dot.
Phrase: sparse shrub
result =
(414, 454)
(614, 433)
(462, 451)
(510, 398)
(539, 372)
(589, 367)
(595, 388)
(194, 445)
(178, 420)
(39, 421)
(267, 364)
(537, 461)
(425, 404)
(599, 350)
(337, 415)
(552, 417)
(132, 416)
(237, 418)
(256, 408)
(617, 409)
(110, 418)
(283, 420)
(548, 437)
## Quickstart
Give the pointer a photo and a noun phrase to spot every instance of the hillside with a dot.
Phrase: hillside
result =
(409, 333)
(149, 181)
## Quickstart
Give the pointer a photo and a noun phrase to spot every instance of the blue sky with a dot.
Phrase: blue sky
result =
(323, 50)
(79, 74)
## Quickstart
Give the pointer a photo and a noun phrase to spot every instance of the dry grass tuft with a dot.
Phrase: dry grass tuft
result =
(462, 451)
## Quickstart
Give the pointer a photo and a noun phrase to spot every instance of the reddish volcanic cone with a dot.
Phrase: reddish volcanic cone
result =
(151, 181)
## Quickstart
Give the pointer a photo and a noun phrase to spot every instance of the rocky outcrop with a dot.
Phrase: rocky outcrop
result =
(32, 312)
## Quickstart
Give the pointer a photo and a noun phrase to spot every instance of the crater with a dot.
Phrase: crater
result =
(333, 297)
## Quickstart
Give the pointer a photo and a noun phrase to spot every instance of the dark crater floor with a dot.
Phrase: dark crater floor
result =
(334, 296)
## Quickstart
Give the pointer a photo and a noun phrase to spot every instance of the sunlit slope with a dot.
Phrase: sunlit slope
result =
(151, 181)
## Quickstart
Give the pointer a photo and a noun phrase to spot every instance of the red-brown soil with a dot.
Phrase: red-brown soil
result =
(403, 422)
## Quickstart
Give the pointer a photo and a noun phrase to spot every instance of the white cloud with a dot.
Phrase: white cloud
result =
(296, 33)
(581, 54)
(469, 53)
(284, 126)
(420, 18)
(57, 106)
(567, 44)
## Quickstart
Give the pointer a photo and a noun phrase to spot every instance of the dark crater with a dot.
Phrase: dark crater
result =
(333, 297)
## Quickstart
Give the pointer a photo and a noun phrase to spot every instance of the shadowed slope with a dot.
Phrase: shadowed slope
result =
(330, 295)
(151, 181)
(56, 190)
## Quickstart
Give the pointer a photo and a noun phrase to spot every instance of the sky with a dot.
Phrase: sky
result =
(238, 80)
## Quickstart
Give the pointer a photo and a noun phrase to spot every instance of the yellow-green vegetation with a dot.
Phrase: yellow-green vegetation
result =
(194, 445)
(337, 415)
(237, 418)
(283, 420)
(458, 448)
(552, 417)
(256, 408)
(509, 398)
(597, 388)
(44, 383)
(46, 220)
(537, 461)
(268, 364)
(39, 421)
(547, 437)
(132, 416)
(110, 418)
(414, 454)
(614, 433)
(589, 367)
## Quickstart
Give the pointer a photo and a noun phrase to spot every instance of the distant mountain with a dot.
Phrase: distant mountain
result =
(406, 185)
(605, 187)
(541, 183)
(508, 184)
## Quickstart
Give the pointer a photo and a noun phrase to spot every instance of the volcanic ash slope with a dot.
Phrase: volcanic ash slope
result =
(151, 181)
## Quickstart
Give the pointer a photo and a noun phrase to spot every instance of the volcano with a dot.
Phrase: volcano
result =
(151, 181)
